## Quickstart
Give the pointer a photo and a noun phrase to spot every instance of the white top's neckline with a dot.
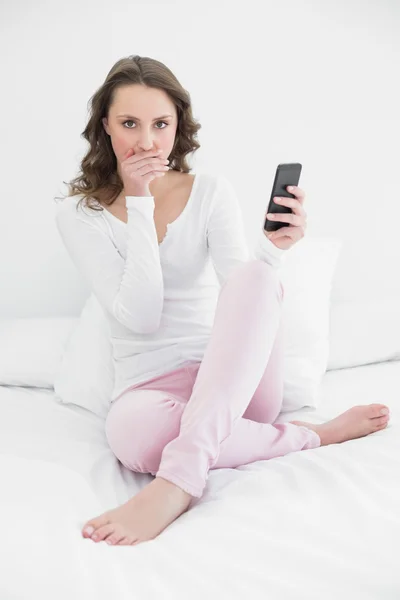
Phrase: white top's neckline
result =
(178, 218)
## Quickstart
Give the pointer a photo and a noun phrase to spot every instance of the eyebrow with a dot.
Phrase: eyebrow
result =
(136, 119)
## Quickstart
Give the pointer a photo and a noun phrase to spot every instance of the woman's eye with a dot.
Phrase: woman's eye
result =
(130, 121)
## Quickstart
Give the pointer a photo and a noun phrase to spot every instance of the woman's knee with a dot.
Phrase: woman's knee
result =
(138, 427)
(263, 274)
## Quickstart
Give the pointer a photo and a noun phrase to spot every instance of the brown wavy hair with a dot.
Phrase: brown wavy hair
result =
(98, 178)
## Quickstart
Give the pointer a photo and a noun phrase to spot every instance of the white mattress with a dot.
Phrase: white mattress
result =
(320, 523)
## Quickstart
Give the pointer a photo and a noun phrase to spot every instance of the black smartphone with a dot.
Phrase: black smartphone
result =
(286, 174)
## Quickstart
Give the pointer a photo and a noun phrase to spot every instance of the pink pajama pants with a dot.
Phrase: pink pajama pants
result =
(219, 412)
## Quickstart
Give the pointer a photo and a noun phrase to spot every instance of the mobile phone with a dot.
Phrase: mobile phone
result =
(286, 174)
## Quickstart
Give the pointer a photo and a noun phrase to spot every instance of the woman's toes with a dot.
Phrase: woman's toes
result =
(94, 524)
(376, 410)
(126, 541)
(115, 538)
(103, 532)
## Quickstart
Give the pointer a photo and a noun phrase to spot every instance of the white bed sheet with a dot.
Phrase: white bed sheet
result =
(320, 523)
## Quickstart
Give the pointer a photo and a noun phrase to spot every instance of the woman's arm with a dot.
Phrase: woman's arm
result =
(226, 238)
(132, 290)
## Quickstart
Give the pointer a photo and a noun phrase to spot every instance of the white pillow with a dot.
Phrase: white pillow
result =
(307, 276)
(86, 372)
(364, 332)
(86, 376)
(31, 349)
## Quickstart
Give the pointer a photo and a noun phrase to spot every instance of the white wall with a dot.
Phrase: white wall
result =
(270, 82)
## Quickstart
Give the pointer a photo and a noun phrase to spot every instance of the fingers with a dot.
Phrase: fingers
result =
(294, 233)
(286, 218)
(298, 192)
(297, 219)
(140, 155)
(292, 203)
(281, 232)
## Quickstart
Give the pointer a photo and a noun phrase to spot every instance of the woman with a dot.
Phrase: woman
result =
(198, 370)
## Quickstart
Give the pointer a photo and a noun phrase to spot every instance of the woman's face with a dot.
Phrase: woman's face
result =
(134, 121)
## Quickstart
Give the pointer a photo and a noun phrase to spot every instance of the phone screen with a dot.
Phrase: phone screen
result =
(286, 174)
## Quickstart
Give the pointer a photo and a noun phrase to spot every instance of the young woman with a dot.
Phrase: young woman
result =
(198, 370)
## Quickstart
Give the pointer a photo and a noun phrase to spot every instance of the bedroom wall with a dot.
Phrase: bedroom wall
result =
(270, 82)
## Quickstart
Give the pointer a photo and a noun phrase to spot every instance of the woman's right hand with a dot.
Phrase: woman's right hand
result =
(138, 170)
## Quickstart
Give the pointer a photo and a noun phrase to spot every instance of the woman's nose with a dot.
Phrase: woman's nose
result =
(146, 147)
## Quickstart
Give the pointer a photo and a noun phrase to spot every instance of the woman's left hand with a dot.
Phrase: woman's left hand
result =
(285, 237)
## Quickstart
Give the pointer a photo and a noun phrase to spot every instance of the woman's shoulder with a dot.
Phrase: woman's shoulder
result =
(216, 178)
(215, 184)
(210, 181)
(77, 207)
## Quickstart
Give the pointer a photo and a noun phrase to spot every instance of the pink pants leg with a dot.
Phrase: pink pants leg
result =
(219, 412)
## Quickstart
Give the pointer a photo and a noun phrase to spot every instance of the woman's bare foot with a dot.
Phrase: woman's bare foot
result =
(356, 422)
(142, 517)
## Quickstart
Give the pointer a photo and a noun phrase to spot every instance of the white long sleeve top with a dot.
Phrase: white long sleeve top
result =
(160, 299)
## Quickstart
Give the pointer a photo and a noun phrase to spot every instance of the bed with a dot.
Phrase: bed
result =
(320, 523)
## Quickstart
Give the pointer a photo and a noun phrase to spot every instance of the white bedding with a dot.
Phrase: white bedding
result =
(321, 523)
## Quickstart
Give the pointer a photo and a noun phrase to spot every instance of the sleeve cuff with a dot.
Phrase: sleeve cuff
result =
(267, 251)
(145, 204)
